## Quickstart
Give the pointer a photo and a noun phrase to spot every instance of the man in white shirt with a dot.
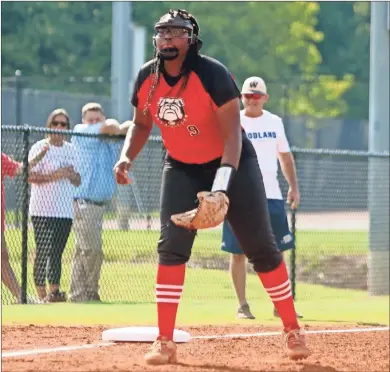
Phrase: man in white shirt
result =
(267, 134)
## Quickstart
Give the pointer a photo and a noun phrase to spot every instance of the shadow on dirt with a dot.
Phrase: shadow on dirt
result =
(306, 367)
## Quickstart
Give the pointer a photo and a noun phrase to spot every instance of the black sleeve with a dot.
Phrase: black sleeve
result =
(143, 74)
(217, 80)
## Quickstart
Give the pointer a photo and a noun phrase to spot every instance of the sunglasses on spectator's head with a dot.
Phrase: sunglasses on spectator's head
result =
(63, 124)
(253, 95)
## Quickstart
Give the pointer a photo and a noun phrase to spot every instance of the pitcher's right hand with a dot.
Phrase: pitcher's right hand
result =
(121, 170)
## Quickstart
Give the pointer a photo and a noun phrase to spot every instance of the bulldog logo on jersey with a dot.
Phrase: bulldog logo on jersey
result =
(170, 111)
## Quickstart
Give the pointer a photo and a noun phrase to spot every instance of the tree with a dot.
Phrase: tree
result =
(346, 49)
(282, 48)
(278, 41)
(56, 38)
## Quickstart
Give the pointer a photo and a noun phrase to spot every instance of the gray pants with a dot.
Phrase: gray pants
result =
(88, 257)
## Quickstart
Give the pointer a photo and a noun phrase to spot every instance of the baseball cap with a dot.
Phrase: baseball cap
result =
(254, 84)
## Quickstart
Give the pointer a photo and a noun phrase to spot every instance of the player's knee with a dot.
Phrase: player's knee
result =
(175, 245)
(97, 255)
(4, 262)
(268, 264)
(265, 258)
(4, 256)
(4, 250)
(172, 258)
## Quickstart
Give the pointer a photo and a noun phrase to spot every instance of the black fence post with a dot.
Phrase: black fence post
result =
(26, 143)
(148, 189)
(293, 251)
(18, 119)
(293, 254)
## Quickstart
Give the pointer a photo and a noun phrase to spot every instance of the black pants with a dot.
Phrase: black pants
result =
(248, 211)
(51, 235)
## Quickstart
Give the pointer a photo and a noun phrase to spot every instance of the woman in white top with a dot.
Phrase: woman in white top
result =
(51, 205)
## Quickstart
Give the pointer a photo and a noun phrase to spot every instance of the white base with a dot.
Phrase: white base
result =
(141, 334)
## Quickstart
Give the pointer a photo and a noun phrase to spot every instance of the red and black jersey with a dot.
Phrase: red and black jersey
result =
(187, 117)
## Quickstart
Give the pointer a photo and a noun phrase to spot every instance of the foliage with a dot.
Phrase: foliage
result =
(313, 53)
(346, 49)
(320, 98)
(56, 38)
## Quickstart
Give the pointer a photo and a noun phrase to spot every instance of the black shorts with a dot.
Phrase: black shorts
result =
(248, 211)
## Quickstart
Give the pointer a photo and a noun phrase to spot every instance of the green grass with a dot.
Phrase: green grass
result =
(326, 306)
(368, 311)
(141, 244)
(128, 279)
(10, 216)
(208, 298)
(130, 256)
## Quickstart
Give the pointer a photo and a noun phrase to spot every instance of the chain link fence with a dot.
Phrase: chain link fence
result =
(332, 225)
(331, 228)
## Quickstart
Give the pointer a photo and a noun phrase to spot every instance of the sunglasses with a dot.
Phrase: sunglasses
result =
(253, 96)
(63, 124)
(174, 32)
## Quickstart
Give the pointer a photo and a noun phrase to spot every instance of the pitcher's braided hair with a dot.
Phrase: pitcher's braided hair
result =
(188, 64)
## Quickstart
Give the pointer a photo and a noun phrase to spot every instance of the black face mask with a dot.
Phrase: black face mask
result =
(169, 54)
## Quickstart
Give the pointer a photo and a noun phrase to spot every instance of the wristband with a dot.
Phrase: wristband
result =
(223, 178)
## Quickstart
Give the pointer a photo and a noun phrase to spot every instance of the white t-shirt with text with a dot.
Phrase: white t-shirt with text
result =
(53, 199)
(268, 137)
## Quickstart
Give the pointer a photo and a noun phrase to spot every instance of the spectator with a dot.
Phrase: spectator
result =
(266, 132)
(51, 205)
(12, 168)
(97, 158)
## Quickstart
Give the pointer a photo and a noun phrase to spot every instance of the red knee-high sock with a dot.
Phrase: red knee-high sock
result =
(170, 280)
(277, 284)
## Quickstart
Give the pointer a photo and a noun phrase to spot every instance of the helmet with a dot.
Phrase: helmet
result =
(181, 19)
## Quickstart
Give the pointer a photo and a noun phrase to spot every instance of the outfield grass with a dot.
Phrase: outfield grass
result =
(134, 283)
(363, 310)
(325, 306)
(108, 215)
(128, 279)
(208, 298)
(141, 244)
